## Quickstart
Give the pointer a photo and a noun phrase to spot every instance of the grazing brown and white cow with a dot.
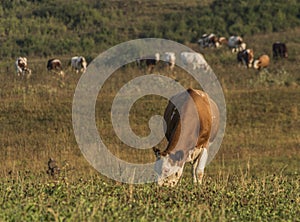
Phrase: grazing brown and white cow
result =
(245, 57)
(21, 67)
(194, 60)
(149, 61)
(279, 50)
(192, 123)
(209, 40)
(262, 62)
(235, 43)
(55, 65)
(78, 63)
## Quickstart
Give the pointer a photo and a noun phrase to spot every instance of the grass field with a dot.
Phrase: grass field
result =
(254, 177)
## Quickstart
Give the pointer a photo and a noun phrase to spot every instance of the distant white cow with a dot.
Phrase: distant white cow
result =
(170, 59)
(196, 60)
(21, 67)
(78, 63)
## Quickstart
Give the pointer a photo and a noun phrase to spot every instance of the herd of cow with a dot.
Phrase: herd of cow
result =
(245, 56)
(191, 125)
(78, 63)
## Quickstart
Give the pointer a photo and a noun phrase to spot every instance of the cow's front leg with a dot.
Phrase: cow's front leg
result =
(194, 168)
(201, 165)
(193, 157)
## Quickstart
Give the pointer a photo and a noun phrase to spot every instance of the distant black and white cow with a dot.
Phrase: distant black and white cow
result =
(21, 67)
(170, 59)
(78, 63)
(279, 50)
(245, 57)
(194, 60)
(55, 65)
(192, 122)
(149, 61)
(209, 40)
(235, 43)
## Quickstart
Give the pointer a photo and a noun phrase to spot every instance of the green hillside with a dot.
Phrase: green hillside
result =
(59, 27)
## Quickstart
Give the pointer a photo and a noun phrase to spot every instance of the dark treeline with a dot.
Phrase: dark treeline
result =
(60, 27)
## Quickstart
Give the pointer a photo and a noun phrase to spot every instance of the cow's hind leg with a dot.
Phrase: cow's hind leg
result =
(201, 165)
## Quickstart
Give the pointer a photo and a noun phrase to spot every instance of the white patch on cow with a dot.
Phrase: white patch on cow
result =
(170, 58)
(170, 174)
(194, 59)
(255, 64)
(55, 60)
(157, 56)
(242, 46)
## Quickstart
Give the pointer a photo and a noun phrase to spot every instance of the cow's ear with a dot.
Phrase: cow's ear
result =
(156, 152)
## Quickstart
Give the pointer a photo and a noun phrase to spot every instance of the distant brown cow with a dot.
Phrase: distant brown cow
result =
(191, 126)
(55, 65)
(262, 62)
(279, 50)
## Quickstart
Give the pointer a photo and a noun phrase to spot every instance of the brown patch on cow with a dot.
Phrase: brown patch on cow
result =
(54, 64)
(197, 133)
(262, 62)
(21, 64)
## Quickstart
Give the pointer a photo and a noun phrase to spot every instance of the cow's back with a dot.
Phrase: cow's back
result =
(74, 61)
(215, 115)
(279, 50)
(202, 102)
(174, 122)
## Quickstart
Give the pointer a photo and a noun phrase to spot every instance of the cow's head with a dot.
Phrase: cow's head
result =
(83, 63)
(169, 167)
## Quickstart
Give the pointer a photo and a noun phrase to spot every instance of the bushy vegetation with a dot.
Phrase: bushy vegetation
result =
(60, 27)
